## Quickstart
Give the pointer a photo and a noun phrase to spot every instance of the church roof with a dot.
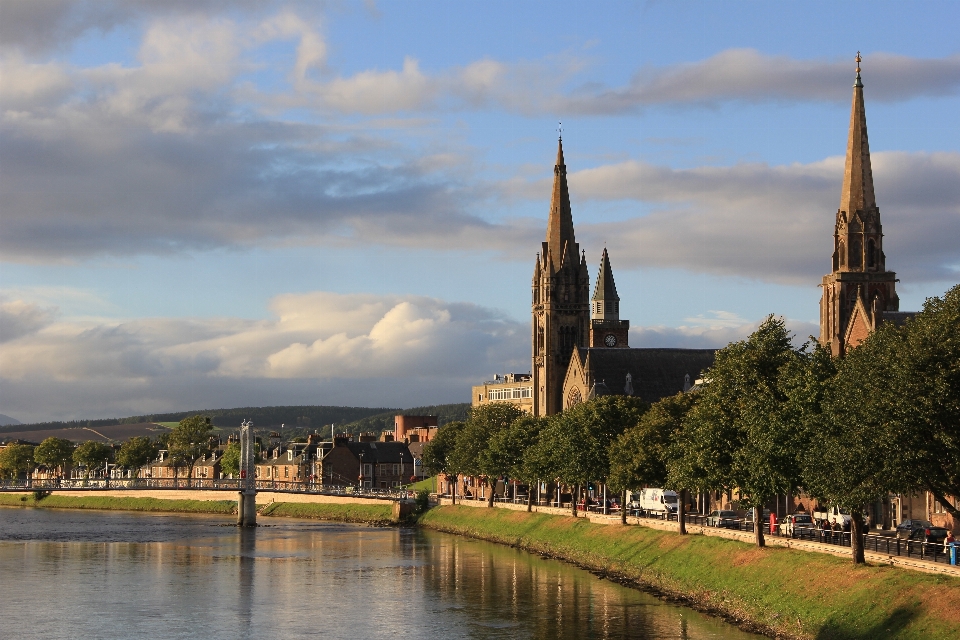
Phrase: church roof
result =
(560, 225)
(857, 193)
(656, 373)
(606, 288)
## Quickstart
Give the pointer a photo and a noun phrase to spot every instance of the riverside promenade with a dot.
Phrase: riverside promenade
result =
(742, 536)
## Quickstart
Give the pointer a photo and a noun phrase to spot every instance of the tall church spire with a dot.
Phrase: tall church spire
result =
(857, 193)
(606, 302)
(560, 224)
(860, 289)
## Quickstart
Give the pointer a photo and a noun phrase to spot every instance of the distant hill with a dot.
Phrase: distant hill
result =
(6, 420)
(299, 418)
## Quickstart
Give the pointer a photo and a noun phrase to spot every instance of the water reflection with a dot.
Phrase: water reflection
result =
(108, 575)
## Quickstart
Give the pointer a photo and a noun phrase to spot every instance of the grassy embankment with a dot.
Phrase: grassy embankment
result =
(376, 514)
(427, 484)
(119, 503)
(773, 590)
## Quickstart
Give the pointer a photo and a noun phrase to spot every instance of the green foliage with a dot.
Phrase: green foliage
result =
(508, 447)
(920, 366)
(741, 433)
(136, 452)
(230, 461)
(92, 455)
(383, 421)
(437, 454)
(16, 459)
(54, 453)
(574, 446)
(639, 456)
(423, 502)
(190, 439)
(471, 453)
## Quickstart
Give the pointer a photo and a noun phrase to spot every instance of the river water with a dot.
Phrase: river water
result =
(97, 574)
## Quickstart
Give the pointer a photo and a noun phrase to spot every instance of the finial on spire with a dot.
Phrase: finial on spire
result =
(859, 82)
(560, 130)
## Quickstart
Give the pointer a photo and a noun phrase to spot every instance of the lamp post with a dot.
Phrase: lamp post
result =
(361, 471)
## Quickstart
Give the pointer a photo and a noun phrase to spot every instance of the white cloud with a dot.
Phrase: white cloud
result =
(384, 346)
(711, 333)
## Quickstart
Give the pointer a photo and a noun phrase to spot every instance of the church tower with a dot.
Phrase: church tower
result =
(561, 299)
(860, 289)
(606, 327)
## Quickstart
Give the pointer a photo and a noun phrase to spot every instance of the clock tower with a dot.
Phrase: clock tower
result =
(606, 327)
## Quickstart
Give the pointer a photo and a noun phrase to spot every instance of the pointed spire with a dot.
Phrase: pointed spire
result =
(537, 270)
(857, 193)
(605, 288)
(560, 224)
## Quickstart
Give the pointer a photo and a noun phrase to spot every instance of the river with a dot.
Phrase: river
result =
(98, 574)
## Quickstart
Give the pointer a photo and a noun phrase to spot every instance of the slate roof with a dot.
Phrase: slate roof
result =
(897, 317)
(656, 373)
(380, 452)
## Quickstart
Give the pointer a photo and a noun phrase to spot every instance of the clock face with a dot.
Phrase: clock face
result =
(610, 340)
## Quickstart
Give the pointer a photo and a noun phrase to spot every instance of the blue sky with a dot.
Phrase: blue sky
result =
(214, 204)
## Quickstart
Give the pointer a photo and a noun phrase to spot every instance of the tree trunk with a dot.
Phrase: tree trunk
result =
(573, 500)
(493, 485)
(682, 512)
(942, 499)
(453, 491)
(758, 527)
(857, 530)
(530, 497)
(623, 507)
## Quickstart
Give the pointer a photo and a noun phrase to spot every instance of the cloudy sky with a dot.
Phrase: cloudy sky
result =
(208, 204)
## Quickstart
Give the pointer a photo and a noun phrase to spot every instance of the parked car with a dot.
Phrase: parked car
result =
(906, 529)
(933, 535)
(794, 524)
(723, 518)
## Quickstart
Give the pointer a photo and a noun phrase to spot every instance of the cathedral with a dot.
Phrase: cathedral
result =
(859, 293)
(580, 345)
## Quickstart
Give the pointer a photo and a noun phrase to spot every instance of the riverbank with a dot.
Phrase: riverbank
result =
(372, 514)
(124, 503)
(362, 513)
(775, 591)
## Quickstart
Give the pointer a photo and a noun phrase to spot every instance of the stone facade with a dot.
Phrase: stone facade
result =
(859, 291)
(561, 299)
(515, 388)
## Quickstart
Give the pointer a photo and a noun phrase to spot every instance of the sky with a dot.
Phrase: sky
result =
(216, 204)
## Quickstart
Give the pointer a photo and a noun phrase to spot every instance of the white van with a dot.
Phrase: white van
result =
(654, 500)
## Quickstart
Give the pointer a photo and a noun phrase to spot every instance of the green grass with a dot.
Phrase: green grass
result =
(346, 512)
(768, 589)
(427, 484)
(168, 425)
(119, 503)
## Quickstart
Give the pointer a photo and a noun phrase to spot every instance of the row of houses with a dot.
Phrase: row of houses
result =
(383, 461)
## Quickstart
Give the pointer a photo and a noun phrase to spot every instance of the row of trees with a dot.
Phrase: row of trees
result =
(187, 442)
(773, 418)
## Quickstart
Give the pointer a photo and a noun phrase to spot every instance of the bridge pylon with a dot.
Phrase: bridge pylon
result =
(247, 500)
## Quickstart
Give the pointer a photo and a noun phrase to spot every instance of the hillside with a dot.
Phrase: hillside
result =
(299, 418)
(384, 421)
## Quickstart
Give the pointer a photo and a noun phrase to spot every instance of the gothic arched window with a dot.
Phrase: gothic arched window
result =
(843, 254)
(871, 254)
(573, 398)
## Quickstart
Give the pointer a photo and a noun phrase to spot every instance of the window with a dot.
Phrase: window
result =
(509, 393)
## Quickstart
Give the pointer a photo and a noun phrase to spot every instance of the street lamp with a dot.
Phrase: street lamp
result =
(361, 470)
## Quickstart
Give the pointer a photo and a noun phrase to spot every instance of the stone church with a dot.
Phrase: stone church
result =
(859, 293)
(580, 345)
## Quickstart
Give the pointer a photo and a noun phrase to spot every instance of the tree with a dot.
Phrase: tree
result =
(16, 458)
(846, 463)
(739, 435)
(920, 401)
(437, 454)
(230, 460)
(136, 452)
(639, 456)
(574, 447)
(189, 440)
(92, 455)
(508, 447)
(54, 453)
(470, 455)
